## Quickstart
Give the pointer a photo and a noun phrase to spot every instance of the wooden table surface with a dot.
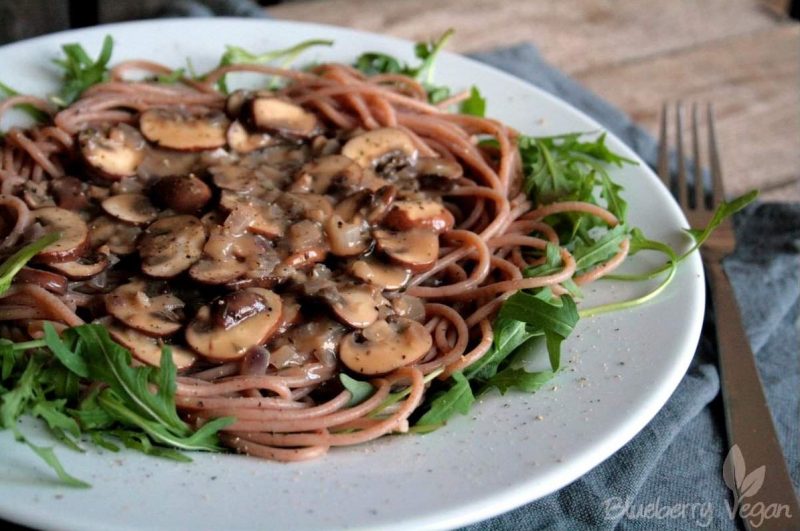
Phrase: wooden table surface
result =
(739, 54)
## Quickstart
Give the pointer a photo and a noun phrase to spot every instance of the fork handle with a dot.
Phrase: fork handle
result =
(747, 415)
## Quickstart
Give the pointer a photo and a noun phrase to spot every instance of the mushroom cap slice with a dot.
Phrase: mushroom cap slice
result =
(183, 194)
(419, 214)
(112, 153)
(205, 335)
(243, 141)
(121, 238)
(416, 249)
(148, 349)
(83, 267)
(377, 273)
(281, 116)
(178, 129)
(355, 305)
(347, 238)
(328, 174)
(171, 245)
(438, 173)
(52, 282)
(369, 149)
(74, 234)
(151, 315)
(384, 346)
(135, 209)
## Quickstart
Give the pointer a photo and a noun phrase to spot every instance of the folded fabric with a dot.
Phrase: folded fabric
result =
(675, 463)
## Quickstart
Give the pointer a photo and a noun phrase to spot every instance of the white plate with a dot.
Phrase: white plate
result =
(509, 450)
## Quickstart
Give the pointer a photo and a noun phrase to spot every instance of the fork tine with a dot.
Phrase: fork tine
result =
(663, 153)
(699, 185)
(682, 199)
(717, 191)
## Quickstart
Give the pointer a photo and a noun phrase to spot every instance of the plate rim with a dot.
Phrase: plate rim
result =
(496, 502)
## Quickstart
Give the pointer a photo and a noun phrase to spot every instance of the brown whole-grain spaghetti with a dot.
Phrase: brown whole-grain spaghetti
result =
(275, 239)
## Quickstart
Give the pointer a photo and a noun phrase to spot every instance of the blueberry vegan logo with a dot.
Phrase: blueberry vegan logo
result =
(743, 486)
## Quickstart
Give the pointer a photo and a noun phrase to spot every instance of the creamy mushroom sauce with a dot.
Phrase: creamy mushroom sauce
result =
(256, 230)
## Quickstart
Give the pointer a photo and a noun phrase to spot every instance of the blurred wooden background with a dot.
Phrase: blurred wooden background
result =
(744, 55)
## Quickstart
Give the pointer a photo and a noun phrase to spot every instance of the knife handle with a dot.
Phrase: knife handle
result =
(748, 419)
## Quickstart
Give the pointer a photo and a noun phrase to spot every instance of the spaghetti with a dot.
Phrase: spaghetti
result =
(276, 239)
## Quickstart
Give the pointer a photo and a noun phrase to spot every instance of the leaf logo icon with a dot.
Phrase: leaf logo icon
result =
(752, 483)
(733, 470)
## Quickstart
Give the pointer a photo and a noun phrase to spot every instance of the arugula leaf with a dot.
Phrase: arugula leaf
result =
(17, 261)
(36, 114)
(110, 363)
(171, 78)
(428, 51)
(588, 255)
(359, 390)
(66, 356)
(519, 379)
(457, 399)
(235, 55)
(80, 71)
(48, 456)
(15, 401)
(723, 211)
(475, 104)
(508, 335)
(373, 63)
(52, 412)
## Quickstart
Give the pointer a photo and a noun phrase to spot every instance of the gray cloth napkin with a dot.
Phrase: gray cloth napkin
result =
(676, 460)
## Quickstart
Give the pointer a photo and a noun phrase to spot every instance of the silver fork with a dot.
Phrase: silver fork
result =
(747, 416)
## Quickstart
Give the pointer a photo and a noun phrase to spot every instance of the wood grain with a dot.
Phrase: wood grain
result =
(637, 54)
(752, 81)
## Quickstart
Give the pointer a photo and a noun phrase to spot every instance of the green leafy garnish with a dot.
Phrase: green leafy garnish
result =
(373, 63)
(359, 390)
(457, 399)
(171, 78)
(36, 114)
(475, 104)
(17, 261)
(235, 55)
(80, 71)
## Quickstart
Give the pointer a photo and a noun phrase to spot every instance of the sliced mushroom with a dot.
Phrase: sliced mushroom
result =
(243, 141)
(384, 346)
(227, 256)
(377, 273)
(135, 209)
(310, 206)
(205, 335)
(112, 153)
(304, 244)
(416, 249)
(183, 194)
(120, 237)
(52, 282)
(290, 316)
(237, 98)
(438, 173)
(148, 349)
(319, 338)
(347, 238)
(409, 307)
(419, 214)
(74, 234)
(140, 306)
(281, 116)
(266, 220)
(328, 175)
(171, 245)
(84, 267)
(70, 193)
(355, 305)
(375, 148)
(159, 163)
(178, 129)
